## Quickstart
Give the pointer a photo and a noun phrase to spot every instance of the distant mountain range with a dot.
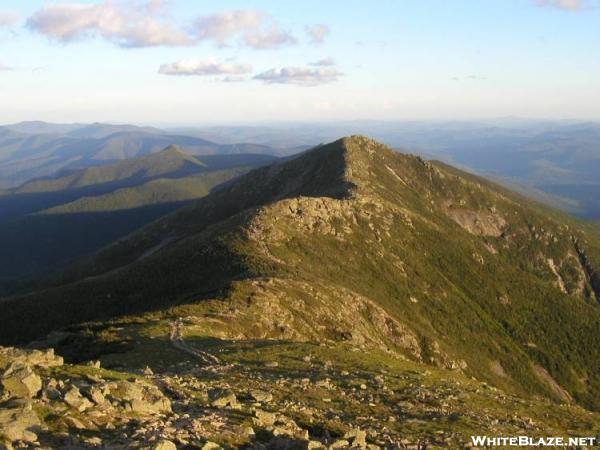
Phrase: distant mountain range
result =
(555, 162)
(48, 222)
(32, 150)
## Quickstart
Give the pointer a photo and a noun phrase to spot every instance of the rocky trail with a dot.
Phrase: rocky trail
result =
(177, 340)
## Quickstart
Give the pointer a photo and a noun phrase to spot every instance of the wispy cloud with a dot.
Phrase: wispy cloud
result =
(317, 33)
(566, 5)
(8, 18)
(248, 27)
(325, 62)
(300, 76)
(191, 67)
(127, 24)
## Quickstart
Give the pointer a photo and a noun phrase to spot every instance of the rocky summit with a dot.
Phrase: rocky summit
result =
(350, 297)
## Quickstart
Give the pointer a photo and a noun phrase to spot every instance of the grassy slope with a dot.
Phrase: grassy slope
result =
(375, 227)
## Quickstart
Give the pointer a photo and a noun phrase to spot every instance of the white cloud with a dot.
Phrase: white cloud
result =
(197, 67)
(127, 24)
(234, 78)
(270, 38)
(252, 28)
(300, 76)
(317, 33)
(8, 18)
(566, 5)
(4, 68)
(325, 62)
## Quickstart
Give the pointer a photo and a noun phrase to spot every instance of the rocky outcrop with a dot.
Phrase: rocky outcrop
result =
(21, 381)
(19, 424)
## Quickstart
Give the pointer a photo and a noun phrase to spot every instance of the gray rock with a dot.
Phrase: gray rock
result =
(261, 396)
(21, 381)
(144, 399)
(357, 437)
(221, 398)
(75, 400)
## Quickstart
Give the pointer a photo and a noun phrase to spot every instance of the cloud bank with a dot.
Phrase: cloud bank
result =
(191, 67)
(125, 24)
(249, 27)
(148, 24)
(300, 76)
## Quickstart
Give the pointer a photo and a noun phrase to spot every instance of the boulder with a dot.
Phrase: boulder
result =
(211, 446)
(94, 393)
(33, 358)
(357, 437)
(142, 398)
(221, 398)
(163, 444)
(261, 396)
(19, 424)
(264, 418)
(75, 400)
(21, 381)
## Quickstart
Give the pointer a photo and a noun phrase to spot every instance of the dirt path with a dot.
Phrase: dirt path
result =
(177, 340)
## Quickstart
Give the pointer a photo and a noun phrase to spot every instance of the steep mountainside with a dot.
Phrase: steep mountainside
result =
(352, 242)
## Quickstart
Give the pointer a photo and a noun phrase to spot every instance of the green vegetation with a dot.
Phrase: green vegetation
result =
(352, 242)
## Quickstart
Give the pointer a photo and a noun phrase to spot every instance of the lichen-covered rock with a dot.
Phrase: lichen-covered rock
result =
(75, 400)
(32, 358)
(19, 424)
(142, 398)
(221, 398)
(21, 381)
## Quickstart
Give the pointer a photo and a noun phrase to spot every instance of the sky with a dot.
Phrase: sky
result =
(195, 62)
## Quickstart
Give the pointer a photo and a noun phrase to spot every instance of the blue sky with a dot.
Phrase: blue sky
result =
(200, 62)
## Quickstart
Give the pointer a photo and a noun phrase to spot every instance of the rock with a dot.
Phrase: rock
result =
(342, 443)
(261, 396)
(94, 441)
(96, 364)
(52, 394)
(285, 443)
(221, 398)
(142, 398)
(19, 424)
(21, 381)
(72, 422)
(32, 358)
(94, 393)
(264, 418)
(6, 446)
(211, 446)
(163, 444)
(74, 399)
(357, 437)
(148, 371)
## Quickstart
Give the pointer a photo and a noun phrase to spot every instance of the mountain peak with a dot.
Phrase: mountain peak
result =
(173, 148)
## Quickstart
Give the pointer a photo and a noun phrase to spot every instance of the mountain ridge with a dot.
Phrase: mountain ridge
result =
(352, 241)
